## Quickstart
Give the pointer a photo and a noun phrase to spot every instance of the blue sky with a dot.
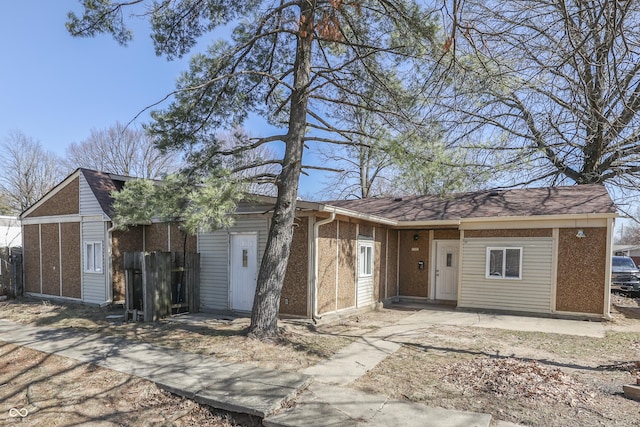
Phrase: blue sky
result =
(56, 88)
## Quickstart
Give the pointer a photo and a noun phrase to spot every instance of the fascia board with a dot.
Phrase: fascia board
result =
(432, 223)
(466, 223)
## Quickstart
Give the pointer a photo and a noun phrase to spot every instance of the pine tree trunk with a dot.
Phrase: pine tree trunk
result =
(266, 303)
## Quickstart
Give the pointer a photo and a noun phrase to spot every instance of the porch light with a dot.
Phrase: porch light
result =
(581, 234)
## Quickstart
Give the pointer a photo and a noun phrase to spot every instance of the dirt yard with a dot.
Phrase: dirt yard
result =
(532, 379)
(43, 390)
(296, 349)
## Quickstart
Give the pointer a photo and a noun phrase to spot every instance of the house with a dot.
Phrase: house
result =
(543, 251)
(71, 250)
(10, 242)
(10, 236)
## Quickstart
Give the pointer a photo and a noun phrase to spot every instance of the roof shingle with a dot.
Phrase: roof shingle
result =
(575, 200)
(102, 185)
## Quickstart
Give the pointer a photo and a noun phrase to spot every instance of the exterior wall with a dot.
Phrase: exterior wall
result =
(50, 260)
(88, 203)
(31, 258)
(446, 234)
(347, 264)
(392, 289)
(380, 265)
(123, 241)
(581, 270)
(64, 202)
(328, 261)
(55, 268)
(71, 260)
(293, 299)
(214, 260)
(94, 285)
(156, 237)
(533, 293)
(177, 240)
(413, 281)
(337, 264)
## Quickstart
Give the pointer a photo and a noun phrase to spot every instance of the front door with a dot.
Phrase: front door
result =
(244, 268)
(447, 269)
(365, 282)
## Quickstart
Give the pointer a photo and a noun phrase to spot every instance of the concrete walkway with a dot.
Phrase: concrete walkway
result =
(321, 398)
(229, 386)
(256, 391)
(419, 323)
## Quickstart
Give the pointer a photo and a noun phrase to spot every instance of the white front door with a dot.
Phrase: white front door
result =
(365, 282)
(447, 269)
(244, 268)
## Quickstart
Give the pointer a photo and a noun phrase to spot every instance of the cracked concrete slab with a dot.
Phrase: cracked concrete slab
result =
(324, 404)
(353, 361)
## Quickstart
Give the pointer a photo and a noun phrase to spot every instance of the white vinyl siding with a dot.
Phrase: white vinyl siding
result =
(88, 203)
(94, 284)
(532, 293)
(214, 260)
(365, 280)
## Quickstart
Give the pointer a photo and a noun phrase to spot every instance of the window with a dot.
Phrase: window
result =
(365, 264)
(504, 263)
(245, 258)
(93, 257)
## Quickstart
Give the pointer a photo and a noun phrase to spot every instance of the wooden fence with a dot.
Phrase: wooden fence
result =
(158, 284)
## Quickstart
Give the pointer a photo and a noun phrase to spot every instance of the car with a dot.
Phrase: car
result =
(625, 275)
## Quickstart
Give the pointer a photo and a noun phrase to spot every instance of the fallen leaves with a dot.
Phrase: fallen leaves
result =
(517, 378)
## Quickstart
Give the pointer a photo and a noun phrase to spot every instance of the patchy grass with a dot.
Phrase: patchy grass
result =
(297, 348)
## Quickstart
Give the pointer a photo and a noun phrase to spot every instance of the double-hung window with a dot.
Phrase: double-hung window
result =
(504, 263)
(93, 257)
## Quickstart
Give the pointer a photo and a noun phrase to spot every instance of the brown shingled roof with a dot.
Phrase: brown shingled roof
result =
(102, 185)
(579, 199)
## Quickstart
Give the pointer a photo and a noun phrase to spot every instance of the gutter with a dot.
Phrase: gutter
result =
(358, 215)
(316, 229)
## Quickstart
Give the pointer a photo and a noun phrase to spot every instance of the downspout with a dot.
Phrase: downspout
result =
(316, 230)
(110, 261)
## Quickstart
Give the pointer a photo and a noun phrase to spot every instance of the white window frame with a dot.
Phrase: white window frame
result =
(92, 262)
(504, 262)
(365, 261)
